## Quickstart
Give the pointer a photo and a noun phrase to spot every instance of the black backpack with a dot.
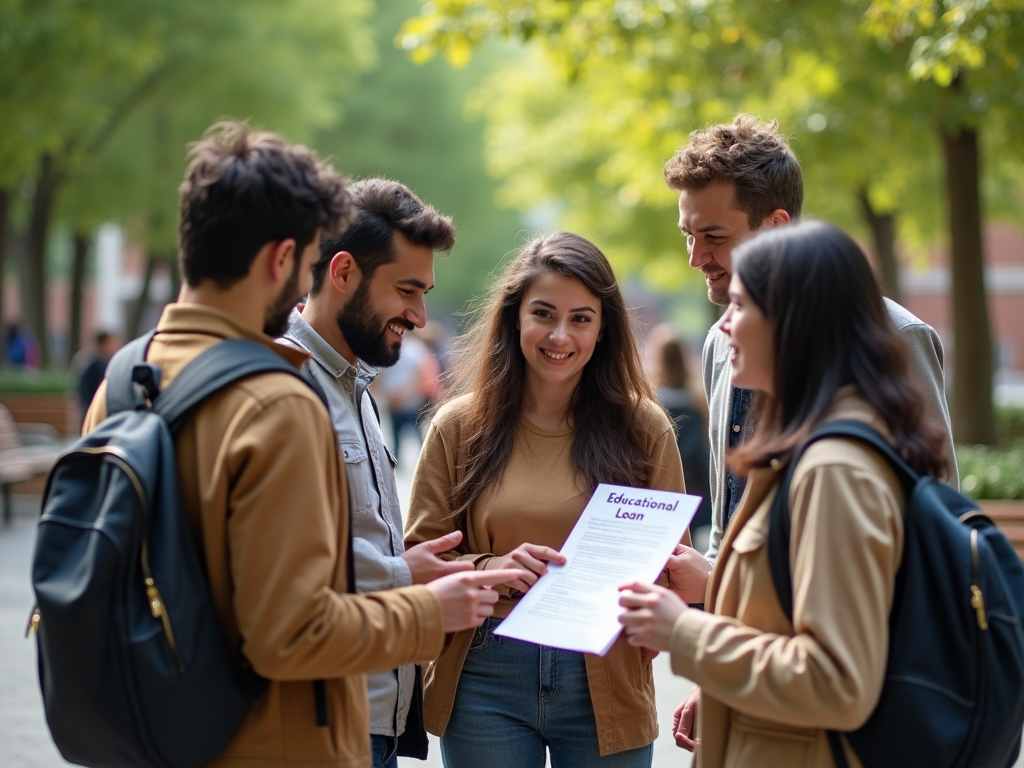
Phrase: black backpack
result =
(134, 667)
(954, 681)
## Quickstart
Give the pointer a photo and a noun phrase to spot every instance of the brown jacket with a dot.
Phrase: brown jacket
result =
(770, 689)
(265, 497)
(537, 501)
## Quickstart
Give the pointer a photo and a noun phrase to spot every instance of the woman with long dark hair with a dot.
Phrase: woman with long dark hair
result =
(547, 399)
(809, 332)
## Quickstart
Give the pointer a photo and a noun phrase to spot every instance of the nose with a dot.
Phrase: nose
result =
(726, 324)
(699, 254)
(560, 332)
(417, 314)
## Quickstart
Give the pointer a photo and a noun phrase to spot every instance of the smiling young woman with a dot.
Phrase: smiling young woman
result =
(548, 400)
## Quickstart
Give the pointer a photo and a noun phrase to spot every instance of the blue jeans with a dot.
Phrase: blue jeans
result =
(384, 749)
(514, 699)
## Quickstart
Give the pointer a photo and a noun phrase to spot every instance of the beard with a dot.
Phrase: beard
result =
(364, 329)
(276, 322)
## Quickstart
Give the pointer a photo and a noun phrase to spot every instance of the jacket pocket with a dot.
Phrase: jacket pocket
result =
(357, 471)
(753, 741)
(751, 538)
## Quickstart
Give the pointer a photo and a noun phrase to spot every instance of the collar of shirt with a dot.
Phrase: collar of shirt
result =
(210, 321)
(327, 356)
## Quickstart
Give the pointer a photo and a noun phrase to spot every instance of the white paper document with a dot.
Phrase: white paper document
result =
(624, 535)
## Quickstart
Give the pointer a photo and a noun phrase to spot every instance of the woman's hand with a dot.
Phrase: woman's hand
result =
(529, 561)
(651, 613)
(688, 573)
(684, 721)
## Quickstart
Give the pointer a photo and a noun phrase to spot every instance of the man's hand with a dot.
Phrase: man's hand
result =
(424, 563)
(467, 598)
(529, 562)
(688, 573)
(684, 721)
(650, 616)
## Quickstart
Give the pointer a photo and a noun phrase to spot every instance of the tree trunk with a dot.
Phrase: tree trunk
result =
(33, 269)
(883, 232)
(972, 411)
(5, 233)
(140, 304)
(80, 255)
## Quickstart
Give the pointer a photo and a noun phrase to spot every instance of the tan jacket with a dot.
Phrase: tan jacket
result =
(769, 689)
(265, 497)
(537, 501)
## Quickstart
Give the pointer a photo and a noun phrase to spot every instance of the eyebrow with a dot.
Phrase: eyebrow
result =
(552, 306)
(415, 284)
(704, 229)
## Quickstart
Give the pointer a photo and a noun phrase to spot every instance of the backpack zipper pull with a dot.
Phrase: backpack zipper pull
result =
(977, 600)
(978, 603)
(155, 604)
(33, 622)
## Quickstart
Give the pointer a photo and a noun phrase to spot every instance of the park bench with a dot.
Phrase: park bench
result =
(1009, 517)
(26, 451)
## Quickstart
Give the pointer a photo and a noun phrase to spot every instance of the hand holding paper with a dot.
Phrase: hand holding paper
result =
(624, 535)
(651, 613)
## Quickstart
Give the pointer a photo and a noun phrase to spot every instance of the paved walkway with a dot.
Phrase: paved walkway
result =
(24, 739)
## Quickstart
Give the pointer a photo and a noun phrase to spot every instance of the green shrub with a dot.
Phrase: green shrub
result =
(49, 382)
(1010, 424)
(991, 473)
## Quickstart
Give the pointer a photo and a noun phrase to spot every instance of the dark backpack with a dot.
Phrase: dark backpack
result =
(134, 667)
(954, 681)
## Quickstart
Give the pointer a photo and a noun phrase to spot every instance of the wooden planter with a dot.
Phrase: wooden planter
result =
(1009, 516)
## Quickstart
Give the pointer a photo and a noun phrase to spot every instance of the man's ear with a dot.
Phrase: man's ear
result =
(343, 269)
(777, 218)
(281, 261)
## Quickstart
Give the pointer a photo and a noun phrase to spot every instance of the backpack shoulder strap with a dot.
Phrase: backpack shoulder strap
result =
(122, 394)
(779, 524)
(220, 365)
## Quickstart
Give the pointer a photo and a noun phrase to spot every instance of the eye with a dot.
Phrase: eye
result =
(581, 319)
(690, 241)
(541, 313)
(405, 293)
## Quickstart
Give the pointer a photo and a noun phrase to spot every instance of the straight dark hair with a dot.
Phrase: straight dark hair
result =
(384, 207)
(830, 328)
(245, 188)
(609, 442)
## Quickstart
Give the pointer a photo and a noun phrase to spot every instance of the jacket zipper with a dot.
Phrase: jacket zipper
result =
(978, 604)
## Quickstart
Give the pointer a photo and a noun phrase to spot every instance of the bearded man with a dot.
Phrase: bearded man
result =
(368, 288)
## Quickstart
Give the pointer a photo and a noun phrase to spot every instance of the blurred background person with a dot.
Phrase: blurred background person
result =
(407, 386)
(91, 365)
(670, 373)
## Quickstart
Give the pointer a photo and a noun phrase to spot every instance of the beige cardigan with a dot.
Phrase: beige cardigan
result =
(770, 689)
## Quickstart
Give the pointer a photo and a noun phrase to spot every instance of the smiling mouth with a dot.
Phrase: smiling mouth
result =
(397, 329)
(556, 355)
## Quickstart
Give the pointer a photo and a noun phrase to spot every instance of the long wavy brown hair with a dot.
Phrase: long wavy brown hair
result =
(609, 441)
(830, 328)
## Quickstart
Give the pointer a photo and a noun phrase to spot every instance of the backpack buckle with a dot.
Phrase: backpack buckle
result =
(146, 385)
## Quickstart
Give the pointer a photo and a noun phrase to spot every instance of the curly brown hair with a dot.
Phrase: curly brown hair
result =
(751, 154)
(245, 188)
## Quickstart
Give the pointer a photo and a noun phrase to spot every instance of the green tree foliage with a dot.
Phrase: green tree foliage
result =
(100, 99)
(870, 92)
(407, 122)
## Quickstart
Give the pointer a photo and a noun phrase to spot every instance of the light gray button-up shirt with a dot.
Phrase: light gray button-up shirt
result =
(377, 538)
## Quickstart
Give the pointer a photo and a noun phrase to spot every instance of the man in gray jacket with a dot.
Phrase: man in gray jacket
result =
(734, 179)
(368, 288)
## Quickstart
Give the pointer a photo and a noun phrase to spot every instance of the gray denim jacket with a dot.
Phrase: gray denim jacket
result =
(377, 528)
